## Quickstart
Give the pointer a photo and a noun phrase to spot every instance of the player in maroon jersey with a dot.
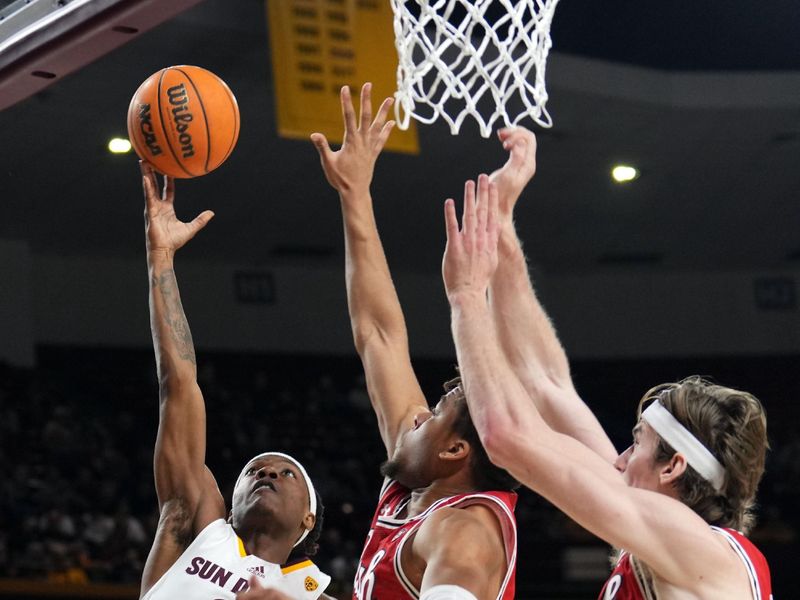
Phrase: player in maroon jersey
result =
(444, 526)
(675, 500)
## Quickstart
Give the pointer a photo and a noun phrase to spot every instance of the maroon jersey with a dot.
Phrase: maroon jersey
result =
(380, 575)
(624, 584)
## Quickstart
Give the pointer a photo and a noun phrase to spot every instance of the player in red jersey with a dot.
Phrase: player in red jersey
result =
(444, 526)
(675, 500)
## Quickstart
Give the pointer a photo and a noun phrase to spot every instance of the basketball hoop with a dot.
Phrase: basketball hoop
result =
(456, 54)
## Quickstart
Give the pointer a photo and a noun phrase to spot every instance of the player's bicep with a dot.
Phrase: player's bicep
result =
(179, 457)
(394, 390)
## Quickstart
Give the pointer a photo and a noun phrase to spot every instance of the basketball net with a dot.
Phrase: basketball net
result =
(483, 58)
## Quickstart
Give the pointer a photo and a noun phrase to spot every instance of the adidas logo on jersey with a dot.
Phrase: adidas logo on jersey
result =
(257, 571)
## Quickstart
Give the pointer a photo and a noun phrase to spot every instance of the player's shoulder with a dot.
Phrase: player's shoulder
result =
(461, 523)
(469, 535)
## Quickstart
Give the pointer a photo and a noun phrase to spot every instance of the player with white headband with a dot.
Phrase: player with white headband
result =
(200, 552)
(678, 502)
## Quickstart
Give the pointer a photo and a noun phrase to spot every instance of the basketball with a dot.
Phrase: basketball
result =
(183, 120)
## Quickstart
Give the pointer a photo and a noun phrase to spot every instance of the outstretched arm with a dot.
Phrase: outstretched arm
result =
(377, 321)
(188, 496)
(674, 541)
(526, 334)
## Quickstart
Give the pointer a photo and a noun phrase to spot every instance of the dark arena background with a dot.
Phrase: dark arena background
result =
(690, 269)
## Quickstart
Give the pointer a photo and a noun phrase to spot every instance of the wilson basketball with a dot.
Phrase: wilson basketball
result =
(183, 120)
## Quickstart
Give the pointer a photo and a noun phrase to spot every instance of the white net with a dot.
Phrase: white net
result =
(483, 58)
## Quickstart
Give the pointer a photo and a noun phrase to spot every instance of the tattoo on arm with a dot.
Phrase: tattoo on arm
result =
(175, 319)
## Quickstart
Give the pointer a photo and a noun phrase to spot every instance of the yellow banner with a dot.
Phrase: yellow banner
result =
(320, 45)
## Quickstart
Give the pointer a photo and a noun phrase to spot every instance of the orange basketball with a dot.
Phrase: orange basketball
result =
(184, 121)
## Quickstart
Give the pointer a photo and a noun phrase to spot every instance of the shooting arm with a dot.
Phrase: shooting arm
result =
(181, 442)
(188, 496)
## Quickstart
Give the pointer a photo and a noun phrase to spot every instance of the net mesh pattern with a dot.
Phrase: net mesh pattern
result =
(480, 58)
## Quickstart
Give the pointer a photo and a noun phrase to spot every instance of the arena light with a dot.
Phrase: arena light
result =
(624, 173)
(119, 146)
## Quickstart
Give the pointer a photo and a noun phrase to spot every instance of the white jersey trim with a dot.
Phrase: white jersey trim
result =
(745, 558)
(472, 499)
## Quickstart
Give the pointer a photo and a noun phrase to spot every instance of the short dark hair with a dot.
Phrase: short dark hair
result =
(486, 475)
(310, 545)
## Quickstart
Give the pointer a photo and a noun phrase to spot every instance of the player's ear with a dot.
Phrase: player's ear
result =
(458, 449)
(309, 521)
(672, 470)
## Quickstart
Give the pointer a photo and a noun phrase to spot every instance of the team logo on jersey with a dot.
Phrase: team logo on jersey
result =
(257, 571)
(310, 584)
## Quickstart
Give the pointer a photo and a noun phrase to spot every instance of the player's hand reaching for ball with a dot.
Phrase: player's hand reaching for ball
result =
(350, 168)
(519, 169)
(470, 257)
(165, 233)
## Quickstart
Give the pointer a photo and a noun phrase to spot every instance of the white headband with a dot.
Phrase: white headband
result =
(681, 439)
(312, 496)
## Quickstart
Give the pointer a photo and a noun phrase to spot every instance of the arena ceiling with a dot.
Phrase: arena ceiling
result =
(703, 97)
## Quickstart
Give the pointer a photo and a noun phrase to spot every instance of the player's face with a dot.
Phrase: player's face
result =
(272, 487)
(637, 464)
(416, 457)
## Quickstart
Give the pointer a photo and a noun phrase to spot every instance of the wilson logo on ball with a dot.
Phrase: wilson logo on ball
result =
(182, 117)
(184, 120)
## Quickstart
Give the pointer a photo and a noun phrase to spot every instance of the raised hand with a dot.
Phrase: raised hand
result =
(164, 231)
(256, 592)
(470, 257)
(350, 168)
(519, 169)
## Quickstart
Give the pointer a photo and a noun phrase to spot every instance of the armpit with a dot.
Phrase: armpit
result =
(175, 522)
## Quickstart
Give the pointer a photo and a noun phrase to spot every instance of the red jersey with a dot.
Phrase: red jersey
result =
(624, 584)
(380, 574)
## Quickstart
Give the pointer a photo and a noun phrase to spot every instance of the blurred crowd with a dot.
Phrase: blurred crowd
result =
(77, 499)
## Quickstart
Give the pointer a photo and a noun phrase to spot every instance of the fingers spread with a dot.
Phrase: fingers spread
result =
(323, 147)
(451, 221)
(468, 220)
(492, 225)
(366, 106)
(148, 183)
(168, 194)
(483, 203)
(348, 112)
(201, 221)
(384, 135)
(383, 113)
